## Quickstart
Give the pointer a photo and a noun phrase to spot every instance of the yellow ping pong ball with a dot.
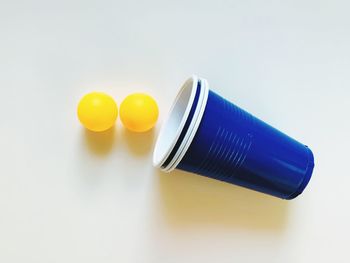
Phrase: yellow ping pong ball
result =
(139, 112)
(97, 111)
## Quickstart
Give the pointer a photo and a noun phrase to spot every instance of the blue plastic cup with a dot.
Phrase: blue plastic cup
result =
(208, 135)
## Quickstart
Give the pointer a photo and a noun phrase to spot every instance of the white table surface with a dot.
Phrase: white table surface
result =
(67, 195)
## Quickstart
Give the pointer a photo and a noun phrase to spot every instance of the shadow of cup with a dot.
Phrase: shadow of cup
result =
(188, 200)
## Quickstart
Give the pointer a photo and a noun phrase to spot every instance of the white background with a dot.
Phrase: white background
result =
(67, 195)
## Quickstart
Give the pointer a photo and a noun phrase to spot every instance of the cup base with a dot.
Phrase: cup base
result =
(308, 173)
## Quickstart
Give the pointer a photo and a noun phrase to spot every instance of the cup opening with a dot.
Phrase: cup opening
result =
(175, 122)
(194, 126)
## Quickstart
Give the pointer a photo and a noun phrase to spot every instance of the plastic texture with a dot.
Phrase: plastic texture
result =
(233, 146)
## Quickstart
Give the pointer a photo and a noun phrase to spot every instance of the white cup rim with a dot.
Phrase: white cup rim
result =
(172, 127)
(186, 142)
